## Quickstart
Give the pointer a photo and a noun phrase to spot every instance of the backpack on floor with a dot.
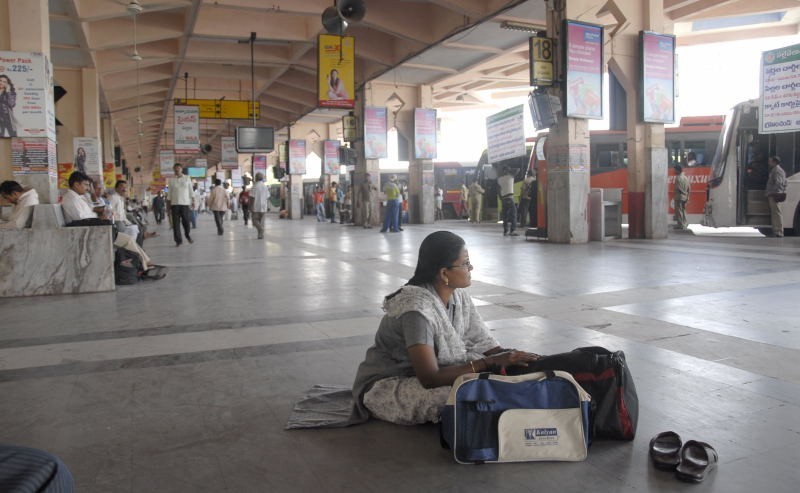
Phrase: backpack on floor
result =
(128, 268)
(607, 378)
(540, 416)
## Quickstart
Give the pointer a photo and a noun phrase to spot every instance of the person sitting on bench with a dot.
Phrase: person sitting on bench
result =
(23, 199)
(78, 212)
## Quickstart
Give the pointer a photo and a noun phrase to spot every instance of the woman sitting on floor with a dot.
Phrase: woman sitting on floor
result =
(431, 334)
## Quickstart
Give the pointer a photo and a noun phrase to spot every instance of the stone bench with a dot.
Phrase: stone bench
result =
(48, 258)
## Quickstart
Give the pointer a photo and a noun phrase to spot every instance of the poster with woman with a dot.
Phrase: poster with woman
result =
(26, 96)
(87, 155)
(584, 60)
(331, 157)
(336, 71)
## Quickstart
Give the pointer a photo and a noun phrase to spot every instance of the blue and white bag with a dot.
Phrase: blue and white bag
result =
(541, 416)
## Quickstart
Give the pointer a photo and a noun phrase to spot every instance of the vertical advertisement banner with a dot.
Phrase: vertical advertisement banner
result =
(260, 164)
(657, 84)
(779, 110)
(330, 153)
(424, 133)
(64, 172)
(297, 156)
(31, 156)
(87, 154)
(109, 175)
(375, 132)
(505, 134)
(282, 159)
(229, 157)
(26, 95)
(336, 71)
(584, 62)
(166, 159)
(236, 178)
(187, 129)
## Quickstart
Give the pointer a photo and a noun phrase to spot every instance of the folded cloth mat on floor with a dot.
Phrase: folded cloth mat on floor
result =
(697, 460)
(324, 406)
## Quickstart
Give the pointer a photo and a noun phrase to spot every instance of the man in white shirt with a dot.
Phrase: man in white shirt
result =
(506, 183)
(117, 202)
(259, 201)
(23, 199)
(76, 208)
(179, 202)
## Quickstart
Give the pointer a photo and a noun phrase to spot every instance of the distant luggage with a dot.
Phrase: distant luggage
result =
(535, 417)
(607, 378)
(128, 268)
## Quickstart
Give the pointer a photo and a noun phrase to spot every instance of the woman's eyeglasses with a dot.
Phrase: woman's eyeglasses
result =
(465, 264)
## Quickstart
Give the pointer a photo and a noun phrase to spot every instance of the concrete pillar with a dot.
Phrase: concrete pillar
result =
(421, 176)
(567, 152)
(364, 166)
(25, 27)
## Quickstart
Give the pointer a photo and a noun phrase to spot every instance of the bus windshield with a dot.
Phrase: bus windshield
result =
(725, 138)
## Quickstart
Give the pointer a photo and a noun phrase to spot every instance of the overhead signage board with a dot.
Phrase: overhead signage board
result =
(424, 133)
(297, 156)
(505, 134)
(187, 129)
(583, 52)
(779, 110)
(375, 140)
(331, 156)
(336, 71)
(541, 61)
(657, 77)
(223, 109)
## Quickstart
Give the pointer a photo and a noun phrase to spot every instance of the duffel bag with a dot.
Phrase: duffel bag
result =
(607, 378)
(535, 417)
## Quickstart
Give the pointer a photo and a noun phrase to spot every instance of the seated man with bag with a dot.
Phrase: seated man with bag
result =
(78, 212)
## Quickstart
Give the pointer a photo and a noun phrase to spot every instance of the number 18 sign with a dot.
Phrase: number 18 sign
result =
(541, 61)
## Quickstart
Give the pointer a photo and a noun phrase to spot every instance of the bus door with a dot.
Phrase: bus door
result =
(539, 161)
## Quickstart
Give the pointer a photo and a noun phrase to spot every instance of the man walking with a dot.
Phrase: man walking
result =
(681, 196)
(776, 193)
(476, 192)
(218, 203)
(259, 201)
(179, 203)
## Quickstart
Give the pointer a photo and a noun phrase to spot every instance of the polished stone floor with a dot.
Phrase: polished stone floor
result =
(185, 384)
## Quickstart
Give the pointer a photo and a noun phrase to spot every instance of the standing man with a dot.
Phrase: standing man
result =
(259, 201)
(476, 192)
(506, 183)
(179, 203)
(195, 204)
(392, 192)
(365, 194)
(159, 206)
(776, 193)
(681, 196)
(218, 203)
(244, 204)
(464, 196)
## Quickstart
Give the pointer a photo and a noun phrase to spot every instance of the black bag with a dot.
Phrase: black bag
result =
(606, 377)
(128, 268)
(779, 196)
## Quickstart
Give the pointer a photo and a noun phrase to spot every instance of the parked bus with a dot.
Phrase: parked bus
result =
(608, 154)
(739, 172)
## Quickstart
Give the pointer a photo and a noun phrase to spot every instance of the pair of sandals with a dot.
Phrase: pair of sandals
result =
(691, 461)
(155, 272)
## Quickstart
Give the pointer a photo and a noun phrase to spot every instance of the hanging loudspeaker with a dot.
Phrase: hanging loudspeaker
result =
(332, 22)
(351, 10)
(206, 149)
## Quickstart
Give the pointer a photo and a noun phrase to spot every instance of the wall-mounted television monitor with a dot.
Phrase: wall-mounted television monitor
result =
(195, 172)
(255, 139)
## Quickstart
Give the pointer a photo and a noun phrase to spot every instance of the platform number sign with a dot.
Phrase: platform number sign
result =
(541, 61)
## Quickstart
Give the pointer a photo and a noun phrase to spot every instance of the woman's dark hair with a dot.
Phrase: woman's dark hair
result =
(439, 249)
(9, 83)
